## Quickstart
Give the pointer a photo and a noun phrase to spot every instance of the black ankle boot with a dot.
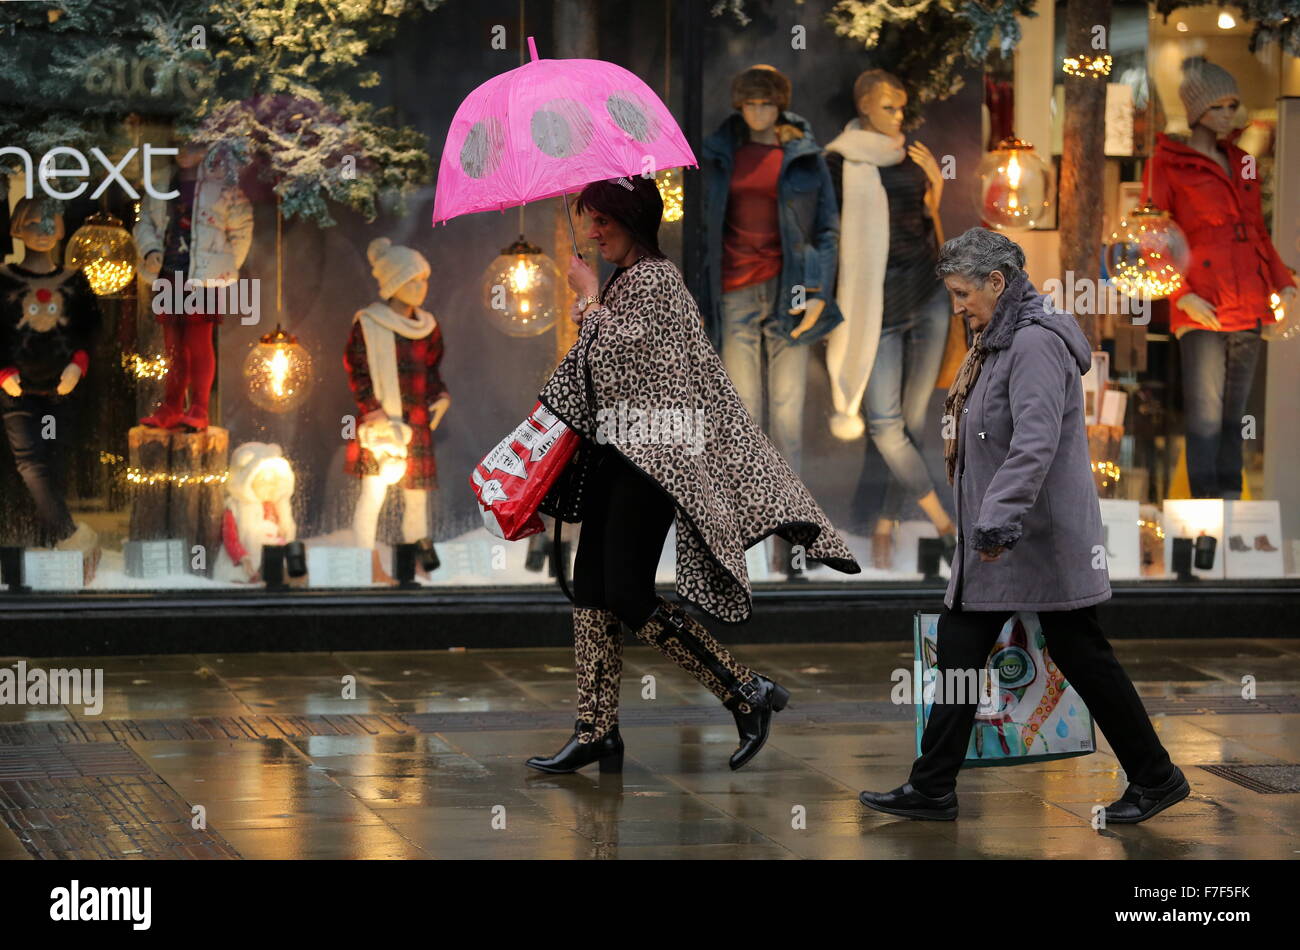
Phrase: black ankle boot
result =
(753, 704)
(607, 750)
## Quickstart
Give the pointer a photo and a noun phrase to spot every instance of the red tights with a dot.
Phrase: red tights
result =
(191, 364)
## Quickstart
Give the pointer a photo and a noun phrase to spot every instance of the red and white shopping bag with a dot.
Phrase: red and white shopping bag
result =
(514, 477)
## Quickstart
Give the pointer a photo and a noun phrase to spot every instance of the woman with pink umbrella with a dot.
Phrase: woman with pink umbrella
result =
(665, 436)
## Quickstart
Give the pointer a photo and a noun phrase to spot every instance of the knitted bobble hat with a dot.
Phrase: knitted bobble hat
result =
(394, 265)
(1203, 84)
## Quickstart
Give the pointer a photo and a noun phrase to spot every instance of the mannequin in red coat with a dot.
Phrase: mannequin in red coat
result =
(1210, 188)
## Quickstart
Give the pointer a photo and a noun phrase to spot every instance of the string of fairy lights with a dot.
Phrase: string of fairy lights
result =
(1087, 66)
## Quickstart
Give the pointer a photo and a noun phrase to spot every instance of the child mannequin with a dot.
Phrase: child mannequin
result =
(258, 511)
(392, 359)
(203, 235)
(48, 319)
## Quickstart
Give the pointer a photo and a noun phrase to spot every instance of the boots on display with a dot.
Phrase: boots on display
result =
(751, 698)
(598, 658)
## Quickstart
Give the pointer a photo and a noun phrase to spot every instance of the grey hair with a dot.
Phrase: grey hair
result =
(978, 253)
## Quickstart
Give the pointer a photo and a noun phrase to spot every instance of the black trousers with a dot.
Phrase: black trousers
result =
(624, 527)
(1079, 647)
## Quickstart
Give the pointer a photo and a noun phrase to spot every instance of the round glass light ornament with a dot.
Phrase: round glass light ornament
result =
(104, 252)
(520, 290)
(1015, 186)
(278, 372)
(1148, 254)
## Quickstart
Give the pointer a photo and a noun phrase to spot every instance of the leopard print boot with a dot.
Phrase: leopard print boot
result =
(598, 659)
(751, 698)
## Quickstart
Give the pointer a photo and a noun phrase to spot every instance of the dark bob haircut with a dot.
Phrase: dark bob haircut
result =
(633, 202)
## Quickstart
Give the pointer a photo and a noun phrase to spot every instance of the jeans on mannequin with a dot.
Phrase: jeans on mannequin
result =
(751, 343)
(898, 396)
(1218, 371)
(41, 460)
(365, 520)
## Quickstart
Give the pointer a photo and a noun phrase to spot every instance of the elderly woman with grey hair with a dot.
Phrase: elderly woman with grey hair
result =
(1029, 528)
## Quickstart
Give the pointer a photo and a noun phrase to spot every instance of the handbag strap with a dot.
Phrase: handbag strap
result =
(560, 565)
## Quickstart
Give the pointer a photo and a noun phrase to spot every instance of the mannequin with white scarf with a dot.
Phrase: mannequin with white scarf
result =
(392, 359)
(889, 349)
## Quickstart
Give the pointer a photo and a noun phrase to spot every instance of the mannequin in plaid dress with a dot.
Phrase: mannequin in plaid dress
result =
(392, 360)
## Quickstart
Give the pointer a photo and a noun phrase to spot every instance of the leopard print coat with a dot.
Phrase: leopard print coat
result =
(643, 378)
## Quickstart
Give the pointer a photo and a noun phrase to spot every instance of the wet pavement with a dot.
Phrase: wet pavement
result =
(420, 755)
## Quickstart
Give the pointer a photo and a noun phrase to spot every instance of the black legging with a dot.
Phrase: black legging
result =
(623, 530)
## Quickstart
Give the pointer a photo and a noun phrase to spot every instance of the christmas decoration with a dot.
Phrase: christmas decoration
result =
(104, 252)
(1084, 64)
(145, 367)
(930, 42)
(1148, 255)
(670, 192)
(272, 82)
(278, 372)
(1014, 186)
(520, 290)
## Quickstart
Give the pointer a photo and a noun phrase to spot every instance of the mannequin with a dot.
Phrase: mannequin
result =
(896, 312)
(392, 360)
(259, 510)
(203, 236)
(49, 320)
(1222, 307)
(772, 227)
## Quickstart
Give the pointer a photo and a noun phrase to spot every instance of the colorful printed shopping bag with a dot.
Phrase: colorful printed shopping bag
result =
(1033, 716)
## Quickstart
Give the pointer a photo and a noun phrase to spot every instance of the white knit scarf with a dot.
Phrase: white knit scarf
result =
(379, 323)
(864, 255)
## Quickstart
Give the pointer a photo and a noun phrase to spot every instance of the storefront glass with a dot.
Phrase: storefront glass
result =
(237, 438)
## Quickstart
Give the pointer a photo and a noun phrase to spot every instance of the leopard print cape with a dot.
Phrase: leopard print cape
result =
(643, 378)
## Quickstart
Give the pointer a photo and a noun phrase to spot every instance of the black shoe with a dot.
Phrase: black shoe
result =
(910, 803)
(949, 547)
(762, 698)
(1139, 804)
(607, 750)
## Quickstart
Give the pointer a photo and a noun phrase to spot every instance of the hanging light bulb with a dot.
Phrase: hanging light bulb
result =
(669, 182)
(104, 252)
(1148, 255)
(1014, 186)
(278, 371)
(519, 290)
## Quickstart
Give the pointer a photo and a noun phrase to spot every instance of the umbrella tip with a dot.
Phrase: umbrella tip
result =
(532, 49)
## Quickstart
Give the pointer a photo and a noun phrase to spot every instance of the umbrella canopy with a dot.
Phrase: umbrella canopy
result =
(550, 127)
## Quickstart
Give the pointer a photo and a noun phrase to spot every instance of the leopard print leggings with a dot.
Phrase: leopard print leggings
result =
(598, 655)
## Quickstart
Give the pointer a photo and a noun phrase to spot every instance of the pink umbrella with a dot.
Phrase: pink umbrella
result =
(549, 127)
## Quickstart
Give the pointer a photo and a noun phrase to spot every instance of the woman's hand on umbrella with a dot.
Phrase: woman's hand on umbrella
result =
(582, 280)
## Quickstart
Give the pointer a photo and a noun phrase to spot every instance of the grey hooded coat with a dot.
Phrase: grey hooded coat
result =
(1024, 479)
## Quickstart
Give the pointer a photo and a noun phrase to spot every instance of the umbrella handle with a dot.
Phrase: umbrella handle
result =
(568, 214)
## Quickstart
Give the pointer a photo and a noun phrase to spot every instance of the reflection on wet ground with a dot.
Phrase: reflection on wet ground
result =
(420, 755)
